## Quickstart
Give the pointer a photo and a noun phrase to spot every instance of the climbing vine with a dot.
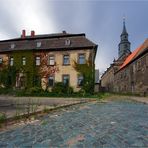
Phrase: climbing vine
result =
(87, 70)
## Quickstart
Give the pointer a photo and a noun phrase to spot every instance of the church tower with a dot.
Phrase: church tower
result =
(124, 45)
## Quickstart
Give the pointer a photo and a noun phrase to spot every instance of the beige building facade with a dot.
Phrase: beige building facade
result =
(52, 56)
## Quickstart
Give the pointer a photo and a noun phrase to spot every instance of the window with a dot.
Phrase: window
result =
(50, 81)
(67, 42)
(38, 44)
(37, 60)
(80, 80)
(24, 60)
(51, 60)
(12, 46)
(66, 79)
(66, 60)
(81, 59)
(11, 61)
(1, 60)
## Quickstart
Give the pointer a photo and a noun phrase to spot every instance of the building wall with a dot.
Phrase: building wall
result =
(107, 80)
(133, 78)
(59, 69)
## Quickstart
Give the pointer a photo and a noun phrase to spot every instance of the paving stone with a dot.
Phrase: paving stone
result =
(112, 124)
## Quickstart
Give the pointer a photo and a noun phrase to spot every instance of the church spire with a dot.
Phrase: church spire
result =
(124, 45)
(124, 27)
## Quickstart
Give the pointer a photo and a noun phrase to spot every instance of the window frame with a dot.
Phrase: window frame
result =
(37, 60)
(1, 60)
(68, 59)
(11, 62)
(66, 75)
(51, 79)
(79, 58)
(49, 60)
(79, 79)
(23, 60)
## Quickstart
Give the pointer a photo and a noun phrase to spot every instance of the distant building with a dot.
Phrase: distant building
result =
(46, 59)
(128, 74)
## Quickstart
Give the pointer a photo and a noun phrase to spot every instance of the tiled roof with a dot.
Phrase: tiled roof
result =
(48, 42)
(137, 52)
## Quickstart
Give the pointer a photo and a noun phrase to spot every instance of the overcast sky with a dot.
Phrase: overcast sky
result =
(101, 21)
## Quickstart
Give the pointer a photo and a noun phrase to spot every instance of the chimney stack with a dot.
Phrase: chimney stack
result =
(64, 32)
(23, 34)
(32, 33)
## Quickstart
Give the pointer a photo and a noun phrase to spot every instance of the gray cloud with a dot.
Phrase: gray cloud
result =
(101, 21)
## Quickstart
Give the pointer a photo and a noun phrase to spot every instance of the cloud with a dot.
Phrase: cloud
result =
(21, 14)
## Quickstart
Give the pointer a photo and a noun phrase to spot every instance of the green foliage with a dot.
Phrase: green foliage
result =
(59, 88)
(8, 73)
(87, 70)
(2, 117)
(8, 77)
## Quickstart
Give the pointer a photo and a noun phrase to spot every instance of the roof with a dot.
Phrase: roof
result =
(124, 29)
(47, 42)
(136, 53)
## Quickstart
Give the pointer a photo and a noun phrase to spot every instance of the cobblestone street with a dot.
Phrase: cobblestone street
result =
(112, 124)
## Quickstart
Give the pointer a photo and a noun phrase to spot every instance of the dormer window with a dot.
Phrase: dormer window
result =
(12, 46)
(38, 44)
(67, 42)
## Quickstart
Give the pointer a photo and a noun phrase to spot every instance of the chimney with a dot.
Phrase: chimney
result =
(64, 32)
(23, 34)
(32, 33)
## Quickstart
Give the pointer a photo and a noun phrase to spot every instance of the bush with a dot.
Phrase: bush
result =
(35, 90)
(2, 117)
(60, 89)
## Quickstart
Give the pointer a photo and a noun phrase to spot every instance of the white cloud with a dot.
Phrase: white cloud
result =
(28, 15)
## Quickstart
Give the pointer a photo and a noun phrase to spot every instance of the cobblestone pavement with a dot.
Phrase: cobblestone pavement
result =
(113, 124)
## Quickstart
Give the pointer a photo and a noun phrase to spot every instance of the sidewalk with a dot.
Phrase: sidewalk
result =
(13, 106)
(139, 99)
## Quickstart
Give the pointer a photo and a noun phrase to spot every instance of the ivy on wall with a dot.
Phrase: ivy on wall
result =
(9, 73)
(87, 70)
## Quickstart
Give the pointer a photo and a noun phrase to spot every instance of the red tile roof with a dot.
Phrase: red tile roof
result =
(135, 53)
